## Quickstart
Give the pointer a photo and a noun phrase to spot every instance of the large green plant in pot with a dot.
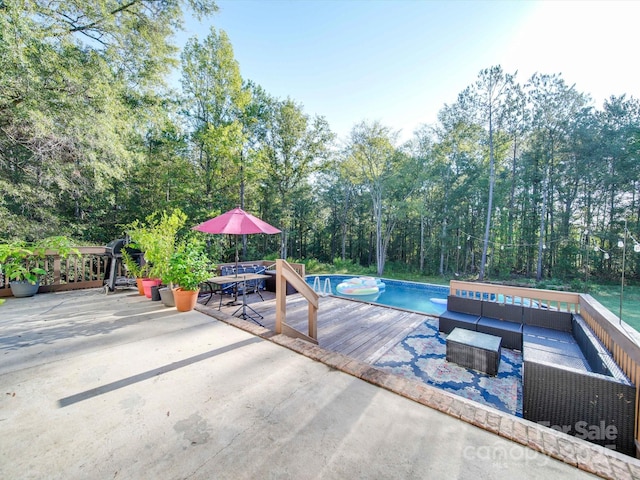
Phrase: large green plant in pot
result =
(132, 266)
(188, 268)
(20, 262)
(135, 269)
(157, 239)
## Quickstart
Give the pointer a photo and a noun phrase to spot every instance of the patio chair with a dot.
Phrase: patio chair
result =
(207, 291)
(227, 288)
(252, 286)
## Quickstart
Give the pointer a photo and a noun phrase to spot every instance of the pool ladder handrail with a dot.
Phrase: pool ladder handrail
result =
(326, 289)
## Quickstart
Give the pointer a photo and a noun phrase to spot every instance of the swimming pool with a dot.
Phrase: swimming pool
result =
(398, 293)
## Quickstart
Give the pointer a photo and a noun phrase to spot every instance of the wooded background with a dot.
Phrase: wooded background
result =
(525, 178)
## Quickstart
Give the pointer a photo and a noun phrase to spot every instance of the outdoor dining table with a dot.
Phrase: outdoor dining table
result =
(237, 280)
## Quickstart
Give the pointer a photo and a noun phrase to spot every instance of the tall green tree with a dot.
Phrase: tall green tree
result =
(294, 146)
(516, 125)
(458, 165)
(620, 127)
(422, 148)
(553, 104)
(214, 103)
(75, 81)
(486, 103)
(389, 175)
(338, 195)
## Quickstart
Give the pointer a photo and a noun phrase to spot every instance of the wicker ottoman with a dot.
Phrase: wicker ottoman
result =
(476, 350)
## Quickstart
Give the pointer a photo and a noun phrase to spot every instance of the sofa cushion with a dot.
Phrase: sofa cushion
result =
(558, 360)
(449, 320)
(502, 311)
(543, 317)
(464, 305)
(552, 341)
(510, 332)
(548, 333)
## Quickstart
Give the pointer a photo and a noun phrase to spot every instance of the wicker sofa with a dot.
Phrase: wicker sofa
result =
(570, 380)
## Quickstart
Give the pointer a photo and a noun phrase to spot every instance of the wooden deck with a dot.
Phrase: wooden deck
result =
(359, 330)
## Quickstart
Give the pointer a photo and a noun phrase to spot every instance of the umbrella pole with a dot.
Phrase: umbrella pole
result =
(236, 292)
(237, 256)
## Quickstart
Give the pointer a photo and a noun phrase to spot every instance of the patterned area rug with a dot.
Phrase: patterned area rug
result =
(422, 356)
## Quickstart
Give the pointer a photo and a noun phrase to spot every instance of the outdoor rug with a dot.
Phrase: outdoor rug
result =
(421, 356)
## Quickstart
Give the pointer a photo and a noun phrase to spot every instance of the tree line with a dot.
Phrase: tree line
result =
(524, 178)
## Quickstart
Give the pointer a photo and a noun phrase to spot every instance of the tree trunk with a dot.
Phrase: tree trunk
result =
(421, 243)
(543, 215)
(344, 226)
(442, 244)
(487, 228)
(512, 201)
(284, 239)
(377, 212)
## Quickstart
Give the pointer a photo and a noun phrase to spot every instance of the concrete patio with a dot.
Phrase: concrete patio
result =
(117, 386)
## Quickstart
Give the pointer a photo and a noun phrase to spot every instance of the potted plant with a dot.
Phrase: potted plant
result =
(19, 267)
(188, 267)
(20, 262)
(157, 239)
(135, 269)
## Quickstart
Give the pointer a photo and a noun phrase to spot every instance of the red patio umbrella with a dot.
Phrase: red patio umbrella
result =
(236, 222)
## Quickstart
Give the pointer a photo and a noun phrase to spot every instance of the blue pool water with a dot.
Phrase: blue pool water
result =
(398, 293)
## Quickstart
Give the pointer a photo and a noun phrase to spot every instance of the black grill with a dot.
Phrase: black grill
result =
(113, 250)
(115, 246)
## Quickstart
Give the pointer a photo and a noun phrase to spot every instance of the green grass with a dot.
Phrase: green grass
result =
(609, 296)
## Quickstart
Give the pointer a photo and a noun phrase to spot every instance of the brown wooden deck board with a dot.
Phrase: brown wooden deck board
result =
(356, 329)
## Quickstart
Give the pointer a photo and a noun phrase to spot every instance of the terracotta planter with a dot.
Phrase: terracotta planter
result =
(139, 285)
(147, 283)
(185, 299)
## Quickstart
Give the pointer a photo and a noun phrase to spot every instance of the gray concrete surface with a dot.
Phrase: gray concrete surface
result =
(118, 387)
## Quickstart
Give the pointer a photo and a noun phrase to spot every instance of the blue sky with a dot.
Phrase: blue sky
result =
(401, 61)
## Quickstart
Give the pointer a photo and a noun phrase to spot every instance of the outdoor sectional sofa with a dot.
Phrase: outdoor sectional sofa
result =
(570, 380)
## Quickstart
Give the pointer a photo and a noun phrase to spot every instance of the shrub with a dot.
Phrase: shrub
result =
(189, 266)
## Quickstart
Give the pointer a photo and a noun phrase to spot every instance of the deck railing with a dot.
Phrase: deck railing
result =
(297, 267)
(615, 336)
(75, 272)
(286, 273)
(564, 301)
(88, 270)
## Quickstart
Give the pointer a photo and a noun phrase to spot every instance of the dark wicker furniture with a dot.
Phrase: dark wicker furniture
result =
(570, 380)
(461, 312)
(475, 350)
(577, 387)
